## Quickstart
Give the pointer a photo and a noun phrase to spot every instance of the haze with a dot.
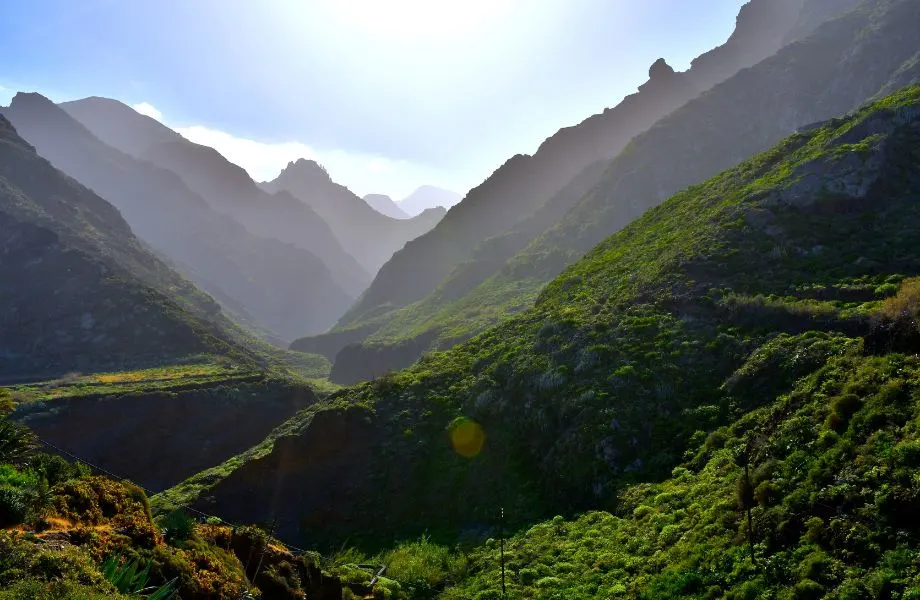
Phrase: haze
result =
(387, 99)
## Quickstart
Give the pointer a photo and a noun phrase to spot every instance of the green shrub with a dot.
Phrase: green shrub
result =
(56, 469)
(808, 590)
(13, 506)
(177, 526)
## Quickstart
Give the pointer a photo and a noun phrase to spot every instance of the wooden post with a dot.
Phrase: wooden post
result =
(501, 537)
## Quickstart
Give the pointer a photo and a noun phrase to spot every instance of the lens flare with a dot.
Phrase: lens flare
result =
(467, 437)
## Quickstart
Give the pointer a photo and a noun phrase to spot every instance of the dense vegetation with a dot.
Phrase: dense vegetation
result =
(721, 400)
(670, 329)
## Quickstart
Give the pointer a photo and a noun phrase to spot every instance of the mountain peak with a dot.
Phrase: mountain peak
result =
(385, 206)
(29, 99)
(660, 68)
(305, 165)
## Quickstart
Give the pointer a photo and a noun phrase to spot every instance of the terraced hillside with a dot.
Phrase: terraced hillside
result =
(707, 308)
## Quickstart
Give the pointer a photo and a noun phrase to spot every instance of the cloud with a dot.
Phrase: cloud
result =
(145, 108)
(263, 161)
(363, 173)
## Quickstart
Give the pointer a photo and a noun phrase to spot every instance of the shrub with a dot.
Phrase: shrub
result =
(807, 590)
(56, 469)
(6, 402)
(13, 506)
(177, 526)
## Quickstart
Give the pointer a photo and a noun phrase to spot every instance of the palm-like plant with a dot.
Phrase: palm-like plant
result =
(129, 578)
(17, 442)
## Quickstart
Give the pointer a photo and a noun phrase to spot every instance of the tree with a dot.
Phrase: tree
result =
(17, 442)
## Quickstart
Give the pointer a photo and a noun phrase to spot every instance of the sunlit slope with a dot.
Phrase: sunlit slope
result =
(624, 357)
(843, 64)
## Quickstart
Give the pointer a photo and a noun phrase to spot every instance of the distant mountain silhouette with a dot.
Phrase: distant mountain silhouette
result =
(80, 292)
(225, 186)
(385, 206)
(287, 290)
(369, 236)
(428, 196)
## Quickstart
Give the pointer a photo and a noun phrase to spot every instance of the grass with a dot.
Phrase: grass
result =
(142, 380)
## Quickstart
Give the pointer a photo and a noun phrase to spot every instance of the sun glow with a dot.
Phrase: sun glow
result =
(421, 18)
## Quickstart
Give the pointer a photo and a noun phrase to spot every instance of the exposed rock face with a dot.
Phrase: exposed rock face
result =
(852, 175)
(274, 286)
(79, 291)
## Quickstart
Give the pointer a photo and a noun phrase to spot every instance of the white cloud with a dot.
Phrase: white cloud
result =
(360, 172)
(263, 161)
(145, 108)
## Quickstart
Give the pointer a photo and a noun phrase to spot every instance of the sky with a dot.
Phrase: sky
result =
(387, 94)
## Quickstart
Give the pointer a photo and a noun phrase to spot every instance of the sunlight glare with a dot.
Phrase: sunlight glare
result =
(420, 18)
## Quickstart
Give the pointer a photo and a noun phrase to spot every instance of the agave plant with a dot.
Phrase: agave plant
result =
(129, 578)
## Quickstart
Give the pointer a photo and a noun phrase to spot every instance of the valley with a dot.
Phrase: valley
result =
(674, 353)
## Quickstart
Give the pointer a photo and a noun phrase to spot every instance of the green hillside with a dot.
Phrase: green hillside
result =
(708, 307)
(842, 65)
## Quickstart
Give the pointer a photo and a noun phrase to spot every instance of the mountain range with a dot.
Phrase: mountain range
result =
(504, 274)
(675, 353)
(280, 288)
(80, 291)
(385, 206)
(426, 197)
(368, 235)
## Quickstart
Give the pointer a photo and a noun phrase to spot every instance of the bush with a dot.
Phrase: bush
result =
(13, 506)
(423, 568)
(808, 590)
(56, 469)
(177, 526)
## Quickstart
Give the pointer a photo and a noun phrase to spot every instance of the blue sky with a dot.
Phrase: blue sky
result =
(387, 94)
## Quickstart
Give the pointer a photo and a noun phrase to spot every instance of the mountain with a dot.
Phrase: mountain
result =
(524, 183)
(286, 290)
(385, 206)
(79, 291)
(492, 281)
(369, 236)
(428, 196)
(680, 335)
(226, 187)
